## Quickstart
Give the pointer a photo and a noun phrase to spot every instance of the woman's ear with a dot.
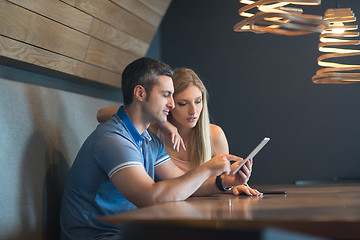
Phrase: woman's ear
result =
(139, 93)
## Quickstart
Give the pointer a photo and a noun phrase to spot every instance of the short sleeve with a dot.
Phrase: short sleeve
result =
(114, 152)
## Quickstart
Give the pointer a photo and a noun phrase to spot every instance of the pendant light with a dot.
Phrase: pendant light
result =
(340, 44)
(278, 18)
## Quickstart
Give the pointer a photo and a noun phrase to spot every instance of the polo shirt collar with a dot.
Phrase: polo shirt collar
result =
(130, 126)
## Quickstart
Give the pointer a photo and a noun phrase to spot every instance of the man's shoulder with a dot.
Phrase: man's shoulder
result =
(109, 134)
(113, 126)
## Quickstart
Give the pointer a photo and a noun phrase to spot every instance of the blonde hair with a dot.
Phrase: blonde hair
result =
(200, 150)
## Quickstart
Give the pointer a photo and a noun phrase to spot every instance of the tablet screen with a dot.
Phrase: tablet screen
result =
(253, 153)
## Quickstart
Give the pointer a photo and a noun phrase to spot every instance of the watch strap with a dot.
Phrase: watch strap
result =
(218, 182)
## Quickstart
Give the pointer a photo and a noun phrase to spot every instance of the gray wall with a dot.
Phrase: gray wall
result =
(43, 123)
(260, 85)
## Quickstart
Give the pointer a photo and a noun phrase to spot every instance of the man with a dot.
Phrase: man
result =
(115, 168)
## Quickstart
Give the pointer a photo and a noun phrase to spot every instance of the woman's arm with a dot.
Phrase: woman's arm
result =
(106, 113)
(169, 130)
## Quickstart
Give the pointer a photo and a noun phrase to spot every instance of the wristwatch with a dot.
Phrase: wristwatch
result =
(219, 185)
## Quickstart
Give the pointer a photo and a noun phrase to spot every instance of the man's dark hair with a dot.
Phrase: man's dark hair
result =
(145, 72)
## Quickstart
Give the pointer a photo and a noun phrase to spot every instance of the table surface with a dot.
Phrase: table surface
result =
(327, 210)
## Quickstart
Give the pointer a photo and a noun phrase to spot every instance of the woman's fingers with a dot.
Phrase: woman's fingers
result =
(177, 141)
(247, 190)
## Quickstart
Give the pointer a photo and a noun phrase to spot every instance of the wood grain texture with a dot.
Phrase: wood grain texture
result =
(140, 10)
(23, 25)
(70, 2)
(59, 12)
(330, 211)
(87, 39)
(115, 37)
(159, 6)
(119, 18)
(107, 56)
(29, 54)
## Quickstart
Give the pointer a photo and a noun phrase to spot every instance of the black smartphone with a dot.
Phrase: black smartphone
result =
(274, 192)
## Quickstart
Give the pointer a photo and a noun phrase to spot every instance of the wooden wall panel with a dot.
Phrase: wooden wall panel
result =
(59, 12)
(26, 26)
(140, 10)
(115, 37)
(29, 54)
(108, 12)
(91, 40)
(159, 6)
(70, 2)
(108, 56)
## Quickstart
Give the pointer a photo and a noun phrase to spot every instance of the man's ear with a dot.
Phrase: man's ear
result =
(139, 93)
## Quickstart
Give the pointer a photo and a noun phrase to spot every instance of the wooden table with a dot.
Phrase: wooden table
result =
(327, 210)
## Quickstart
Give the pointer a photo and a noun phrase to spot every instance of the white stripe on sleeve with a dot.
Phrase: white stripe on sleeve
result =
(122, 166)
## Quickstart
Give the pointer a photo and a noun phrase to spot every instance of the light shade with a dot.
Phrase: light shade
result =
(278, 18)
(338, 42)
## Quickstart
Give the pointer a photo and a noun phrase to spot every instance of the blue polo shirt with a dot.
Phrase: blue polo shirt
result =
(89, 192)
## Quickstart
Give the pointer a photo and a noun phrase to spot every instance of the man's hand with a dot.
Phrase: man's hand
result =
(220, 164)
(242, 175)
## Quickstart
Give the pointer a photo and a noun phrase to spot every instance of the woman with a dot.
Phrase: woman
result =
(199, 139)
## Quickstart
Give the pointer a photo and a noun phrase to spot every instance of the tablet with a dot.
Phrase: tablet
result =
(253, 153)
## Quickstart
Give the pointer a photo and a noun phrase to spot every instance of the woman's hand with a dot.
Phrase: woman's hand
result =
(172, 133)
(246, 189)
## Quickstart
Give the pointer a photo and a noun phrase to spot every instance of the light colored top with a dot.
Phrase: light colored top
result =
(185, 166)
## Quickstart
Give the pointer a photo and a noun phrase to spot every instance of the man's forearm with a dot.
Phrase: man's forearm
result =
(182, 187)
(207, 188)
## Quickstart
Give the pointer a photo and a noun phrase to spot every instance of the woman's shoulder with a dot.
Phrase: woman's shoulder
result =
(216, 130)
(218, 140)
(216, 133)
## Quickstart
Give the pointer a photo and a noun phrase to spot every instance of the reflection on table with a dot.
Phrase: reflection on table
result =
(328, 210)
